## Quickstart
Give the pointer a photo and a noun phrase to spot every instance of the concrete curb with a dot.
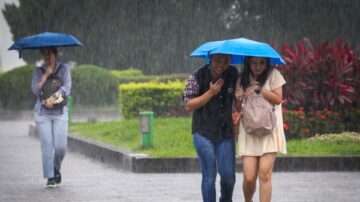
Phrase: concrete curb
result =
(141, 163)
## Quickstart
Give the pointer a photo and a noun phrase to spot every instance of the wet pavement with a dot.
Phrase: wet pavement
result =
(87, 180)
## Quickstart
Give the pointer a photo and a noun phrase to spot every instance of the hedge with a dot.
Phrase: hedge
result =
(127, 73)
(164, 99)
(15, 91)
(94, 86)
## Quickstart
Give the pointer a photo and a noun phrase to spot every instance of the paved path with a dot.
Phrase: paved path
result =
(86, 180)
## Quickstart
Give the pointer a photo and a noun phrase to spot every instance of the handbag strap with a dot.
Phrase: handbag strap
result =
(43, 69)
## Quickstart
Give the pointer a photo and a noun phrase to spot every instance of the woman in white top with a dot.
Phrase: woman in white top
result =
(258, 153)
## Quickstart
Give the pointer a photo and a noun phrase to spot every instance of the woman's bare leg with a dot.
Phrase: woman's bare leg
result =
(266, 164)
(250, 171)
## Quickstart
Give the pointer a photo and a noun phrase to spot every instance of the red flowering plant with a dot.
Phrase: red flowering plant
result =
(321, 81)
(299, 125)
(294, 123)
(324, 77)
(324, 121)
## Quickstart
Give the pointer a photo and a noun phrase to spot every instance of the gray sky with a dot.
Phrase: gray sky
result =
(8, 59)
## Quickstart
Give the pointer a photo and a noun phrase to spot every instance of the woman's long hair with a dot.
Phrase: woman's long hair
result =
(245, 75)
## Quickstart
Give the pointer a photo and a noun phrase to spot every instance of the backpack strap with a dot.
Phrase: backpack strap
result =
(43, 69)
(58, 69)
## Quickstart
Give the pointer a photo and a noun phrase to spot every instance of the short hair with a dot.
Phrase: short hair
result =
(228, 56)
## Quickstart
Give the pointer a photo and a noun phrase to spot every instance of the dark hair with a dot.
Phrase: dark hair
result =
(245, 75)
(51, 48)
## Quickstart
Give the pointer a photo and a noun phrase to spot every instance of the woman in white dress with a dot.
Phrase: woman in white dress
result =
(258, 153)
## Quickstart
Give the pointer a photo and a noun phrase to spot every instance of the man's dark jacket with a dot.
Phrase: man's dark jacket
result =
(214, 120)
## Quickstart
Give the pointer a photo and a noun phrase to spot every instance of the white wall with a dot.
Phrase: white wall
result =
(8, 59)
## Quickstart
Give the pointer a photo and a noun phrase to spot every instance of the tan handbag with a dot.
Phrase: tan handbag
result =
(258, 116)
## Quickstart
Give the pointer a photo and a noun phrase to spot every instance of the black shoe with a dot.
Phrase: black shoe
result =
(57, 176)
(51, 182)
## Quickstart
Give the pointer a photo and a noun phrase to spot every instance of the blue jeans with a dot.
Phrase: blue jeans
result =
(212, 157)
(52, 130)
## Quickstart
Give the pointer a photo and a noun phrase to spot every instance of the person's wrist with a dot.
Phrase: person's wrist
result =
(211, 93)
(258, 90)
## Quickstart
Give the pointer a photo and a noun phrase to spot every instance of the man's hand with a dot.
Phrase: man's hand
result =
(215, 88)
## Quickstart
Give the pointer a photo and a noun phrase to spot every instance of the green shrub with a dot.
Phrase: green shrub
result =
(164, 99)
(15, 91)
(93, 85)
(157, 78)
(127, 73)
(351, 119)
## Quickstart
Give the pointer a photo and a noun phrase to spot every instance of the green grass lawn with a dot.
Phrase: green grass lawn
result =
(347, 143)
(172, 138)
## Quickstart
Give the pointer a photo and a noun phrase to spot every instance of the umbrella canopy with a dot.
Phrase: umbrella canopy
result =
(238, 48)
(46, 39)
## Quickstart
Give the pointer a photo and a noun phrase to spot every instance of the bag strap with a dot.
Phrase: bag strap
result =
(58, 69)
(43, 69)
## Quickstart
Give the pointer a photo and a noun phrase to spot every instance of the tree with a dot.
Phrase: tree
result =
(157, 36)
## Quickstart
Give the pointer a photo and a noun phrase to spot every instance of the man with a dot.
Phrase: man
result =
(209, 93)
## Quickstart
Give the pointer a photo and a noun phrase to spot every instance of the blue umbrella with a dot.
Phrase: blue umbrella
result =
(204, 50)
(238, 48)
(46, 39)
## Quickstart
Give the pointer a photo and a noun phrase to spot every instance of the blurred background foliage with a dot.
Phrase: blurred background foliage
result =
(142, 42)
(157, 36)
(15, 91)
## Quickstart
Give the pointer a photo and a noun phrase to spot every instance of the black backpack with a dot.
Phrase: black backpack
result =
(52, 85)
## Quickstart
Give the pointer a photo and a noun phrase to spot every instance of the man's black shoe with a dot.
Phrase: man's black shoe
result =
(57, 176)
